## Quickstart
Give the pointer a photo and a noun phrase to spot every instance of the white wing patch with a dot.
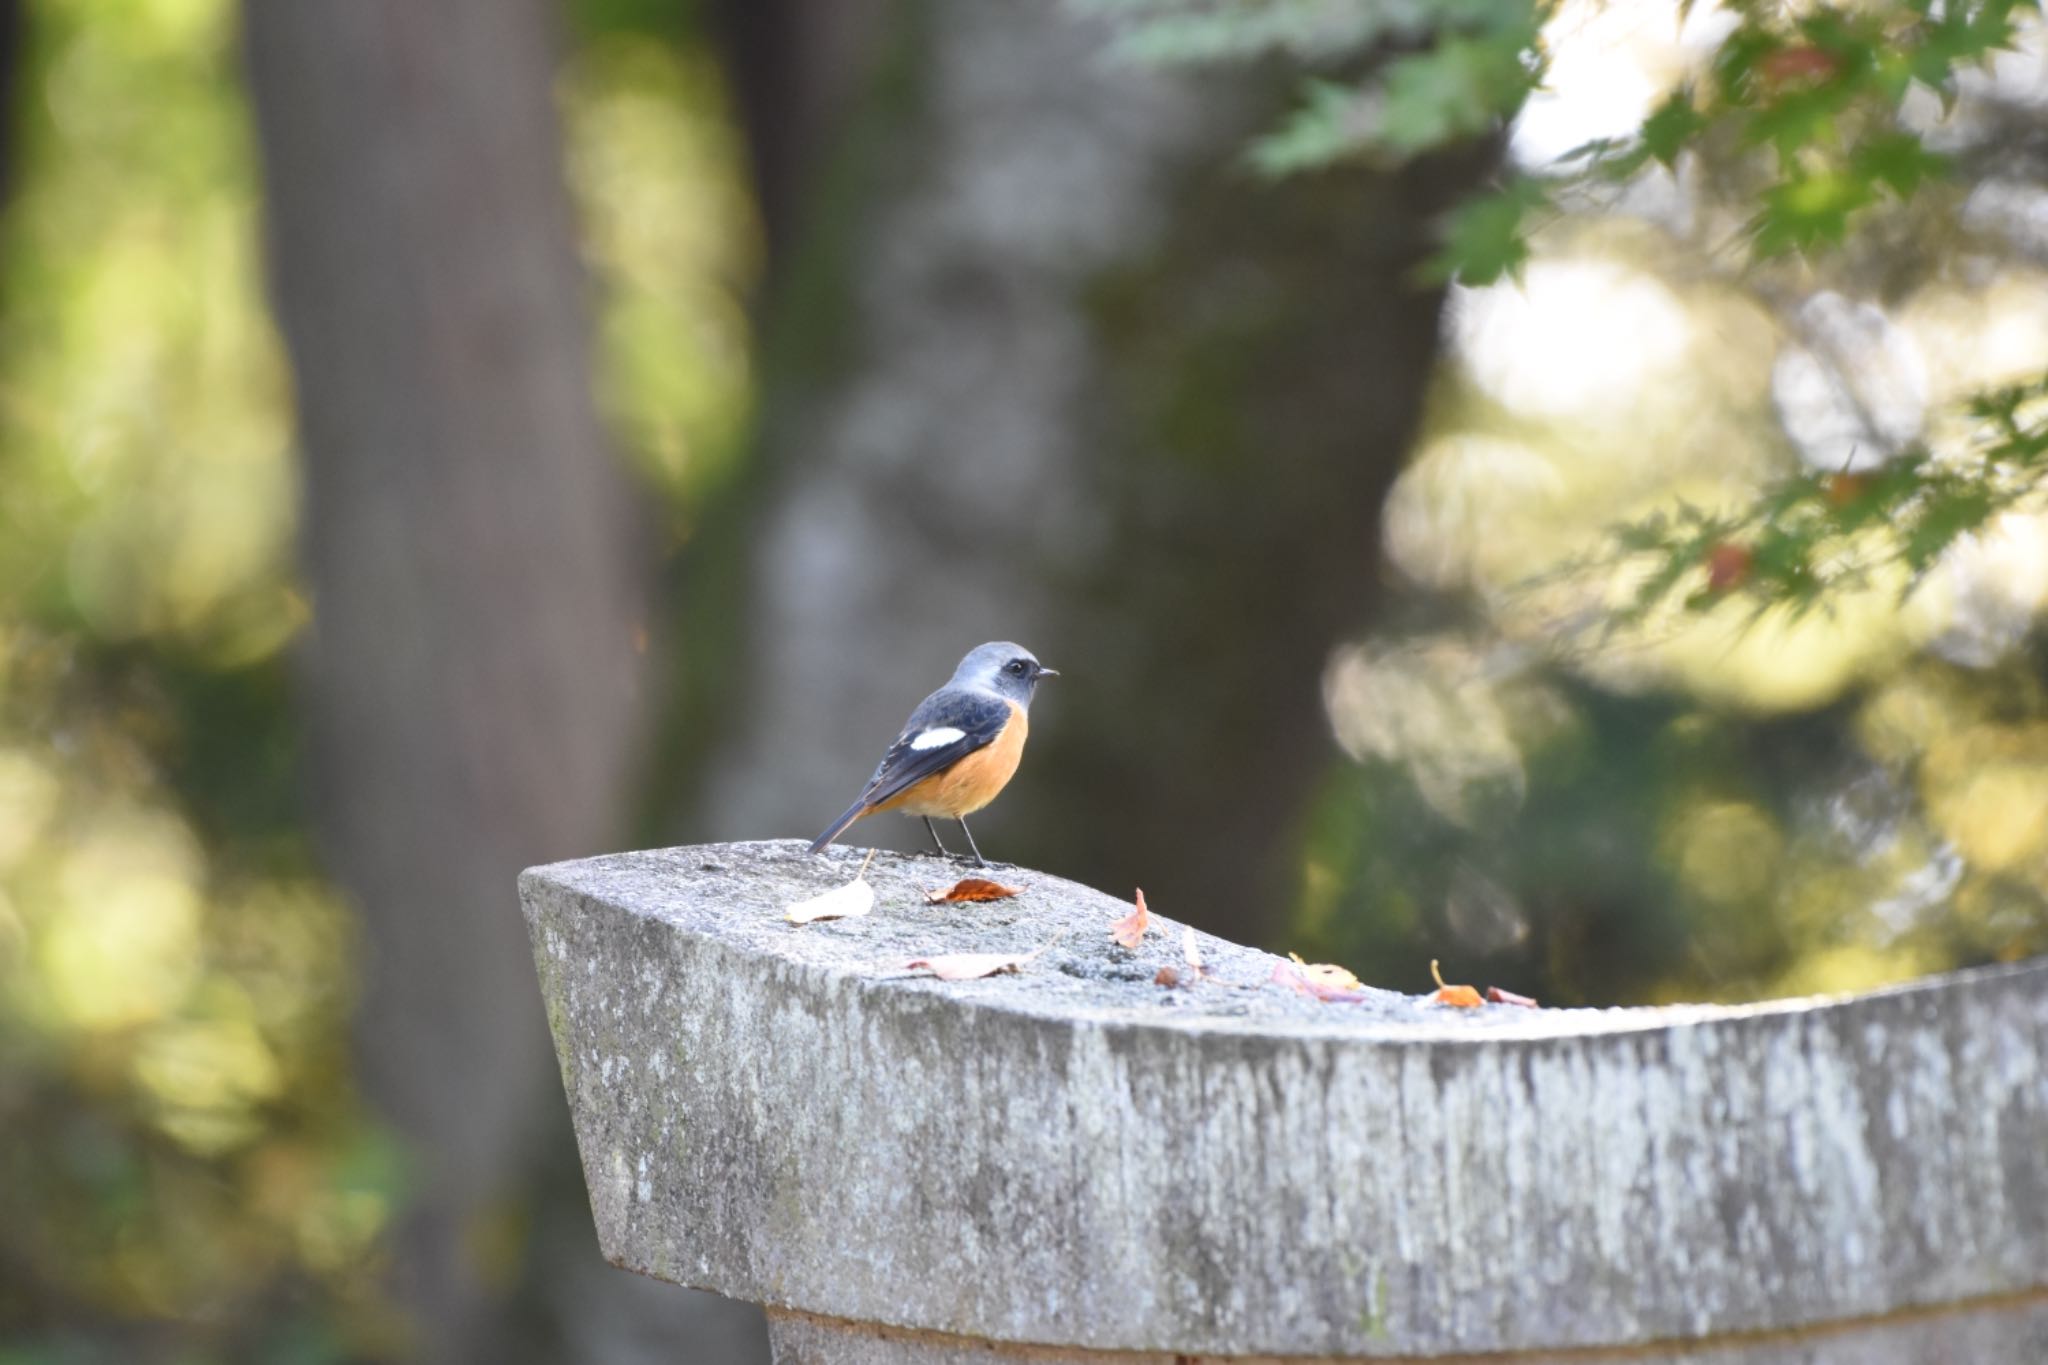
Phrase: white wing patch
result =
(932, 739)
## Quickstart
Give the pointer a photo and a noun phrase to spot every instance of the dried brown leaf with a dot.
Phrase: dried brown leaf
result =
(1166, 976)
(972, 889)
(1130, 930)
(1496, 996)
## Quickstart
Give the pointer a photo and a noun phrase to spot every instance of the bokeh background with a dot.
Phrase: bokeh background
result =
(441, 436)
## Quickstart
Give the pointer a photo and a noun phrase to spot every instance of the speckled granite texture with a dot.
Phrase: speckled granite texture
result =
(1074, 1156)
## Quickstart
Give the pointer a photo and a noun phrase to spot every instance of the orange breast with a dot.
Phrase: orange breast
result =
(971, 783)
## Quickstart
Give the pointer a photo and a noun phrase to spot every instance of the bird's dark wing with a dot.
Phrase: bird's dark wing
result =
(946, 727)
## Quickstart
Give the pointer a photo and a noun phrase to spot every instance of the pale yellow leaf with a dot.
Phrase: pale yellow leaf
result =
(1326, 975)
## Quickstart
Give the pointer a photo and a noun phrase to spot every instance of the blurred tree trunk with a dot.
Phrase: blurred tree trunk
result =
(471, 677)
(795, 67)
(1059, 370)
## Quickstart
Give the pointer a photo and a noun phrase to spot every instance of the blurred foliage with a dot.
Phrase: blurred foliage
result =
(1717, 674)
(187, 1173)
(669, 233)
(1600, 846)
(1816, 533)
(1727, 525)
(1817, 92)
(1389, 80)
(186, 1169)
(1803, 111)
(1810, 105)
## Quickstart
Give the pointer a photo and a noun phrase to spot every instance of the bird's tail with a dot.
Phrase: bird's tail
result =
(838, 827)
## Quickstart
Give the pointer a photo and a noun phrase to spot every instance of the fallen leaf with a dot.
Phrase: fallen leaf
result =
(841, 902)
(1130, 930)
(1191, 951)
(1327, 974)
(972, 889)
(1320, 980)
(1496, 996)
(1464, 997)
(968, 966)
(974, 966)
(1166, 976)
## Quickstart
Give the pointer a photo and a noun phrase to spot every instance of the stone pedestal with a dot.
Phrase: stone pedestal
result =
(1072, 1161)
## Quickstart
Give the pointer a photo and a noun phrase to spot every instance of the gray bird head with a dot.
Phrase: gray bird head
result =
(1005, 669)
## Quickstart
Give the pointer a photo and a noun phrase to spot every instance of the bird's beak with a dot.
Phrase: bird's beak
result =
(1045, 672)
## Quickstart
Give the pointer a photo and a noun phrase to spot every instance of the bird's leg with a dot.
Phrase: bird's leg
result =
(943, 851)
(970, 843)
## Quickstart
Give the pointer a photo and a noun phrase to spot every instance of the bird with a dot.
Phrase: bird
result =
(958, 749)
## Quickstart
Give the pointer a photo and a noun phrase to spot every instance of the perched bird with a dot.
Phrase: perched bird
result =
(958, 748)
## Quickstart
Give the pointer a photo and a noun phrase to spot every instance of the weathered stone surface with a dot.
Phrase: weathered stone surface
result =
(1074, 1156)
(1999, 1331)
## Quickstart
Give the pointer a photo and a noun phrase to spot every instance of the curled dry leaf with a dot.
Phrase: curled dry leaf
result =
(968, 966)
(1130, 930)
(1323, 980)
(1191, 951)
(1464, 997)
(971, 889)
(841, 902)
(973, 966)
(1496, 996)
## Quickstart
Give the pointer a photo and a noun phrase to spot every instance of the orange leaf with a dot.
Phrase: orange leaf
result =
(1803, 64)
(1727, 566)
(968, 966)
(1496, 996)
(1464, 997)
(971, 889)
(1844, 488)
(1130, 930)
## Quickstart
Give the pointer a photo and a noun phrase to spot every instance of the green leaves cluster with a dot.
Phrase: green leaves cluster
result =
(1815, 533)
(1805, 121)
(1816, 102)
(1384, 81)
(1808, 113)
(1814, 95)
(1804, 112)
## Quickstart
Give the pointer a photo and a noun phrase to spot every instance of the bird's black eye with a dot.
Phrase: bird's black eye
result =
(1016, 666)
